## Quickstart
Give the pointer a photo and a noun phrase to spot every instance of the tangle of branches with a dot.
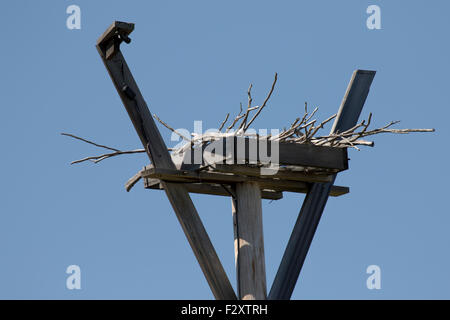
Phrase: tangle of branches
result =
(303, 129)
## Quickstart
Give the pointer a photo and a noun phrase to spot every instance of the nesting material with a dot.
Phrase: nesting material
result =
(306, 155)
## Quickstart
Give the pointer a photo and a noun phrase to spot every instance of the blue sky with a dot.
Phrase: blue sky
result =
(194, 60)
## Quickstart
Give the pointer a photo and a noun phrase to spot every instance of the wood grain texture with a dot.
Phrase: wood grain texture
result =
(249, 242)
(283, 173)
(214, 189)
(231, 179)
(240, 150)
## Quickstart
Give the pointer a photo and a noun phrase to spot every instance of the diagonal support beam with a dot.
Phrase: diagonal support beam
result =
(109, 50)
(316, 198)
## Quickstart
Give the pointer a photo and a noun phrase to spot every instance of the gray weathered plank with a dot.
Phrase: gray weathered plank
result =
(214, 189)
(268, 191)
(240, 150)
(157, 151)
(283, 173)
(316, 199)
(249, 242)
(212, 177)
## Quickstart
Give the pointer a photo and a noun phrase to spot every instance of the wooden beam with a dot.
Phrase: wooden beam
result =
(353, 101)
(157, 151)
(309, 155)
(240, 150)
(283, 173)
(336, 191)
(249, 242)
(270, 192)
(316, 199)
(180, 176)
(212, 189)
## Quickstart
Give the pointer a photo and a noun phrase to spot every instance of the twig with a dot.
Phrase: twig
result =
(322, 124)
(224, 121)
(249, 105)
(97, 159)
(238, 117)
(302, 130)
(90, 142)
(311, 115)
(170, 128)
(263, 105)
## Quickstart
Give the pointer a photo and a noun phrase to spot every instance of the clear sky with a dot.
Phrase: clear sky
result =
(194, 60)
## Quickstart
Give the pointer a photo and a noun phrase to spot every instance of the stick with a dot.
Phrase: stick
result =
(224, 121)
(97, 159)
(263, 105)
(90, 142)
(170, 128)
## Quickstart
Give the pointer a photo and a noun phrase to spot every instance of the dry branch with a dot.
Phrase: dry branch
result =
(90, 142)
(302, 130)
(170, 128)
(263, 105)
(238, 117)
(98, 158)
(224, 121)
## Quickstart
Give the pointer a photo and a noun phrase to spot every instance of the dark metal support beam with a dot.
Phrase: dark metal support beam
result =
(316, 198)
(109, 49)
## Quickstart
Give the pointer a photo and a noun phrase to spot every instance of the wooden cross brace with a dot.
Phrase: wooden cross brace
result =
(159, 155)
(246, 194)
(317, 196)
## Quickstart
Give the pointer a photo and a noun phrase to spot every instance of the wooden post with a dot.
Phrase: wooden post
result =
(109, 50)
(249, 242)
(316, 198)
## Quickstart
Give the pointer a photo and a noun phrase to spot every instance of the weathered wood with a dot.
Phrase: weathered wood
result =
(315, 201)
(353, 101)
(249, 242)
(309, 155)
(157, 151)
(336, 191)
(283, 173)
(222, 178)
(270, 191)
(240, 150)
(132, 181)
(213, 189)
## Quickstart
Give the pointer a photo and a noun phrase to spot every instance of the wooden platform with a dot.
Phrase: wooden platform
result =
(244, 150)
(298, 166)
(237, 173)
(221, 180)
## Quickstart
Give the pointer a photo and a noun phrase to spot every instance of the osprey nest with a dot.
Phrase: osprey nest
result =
(303, 130)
